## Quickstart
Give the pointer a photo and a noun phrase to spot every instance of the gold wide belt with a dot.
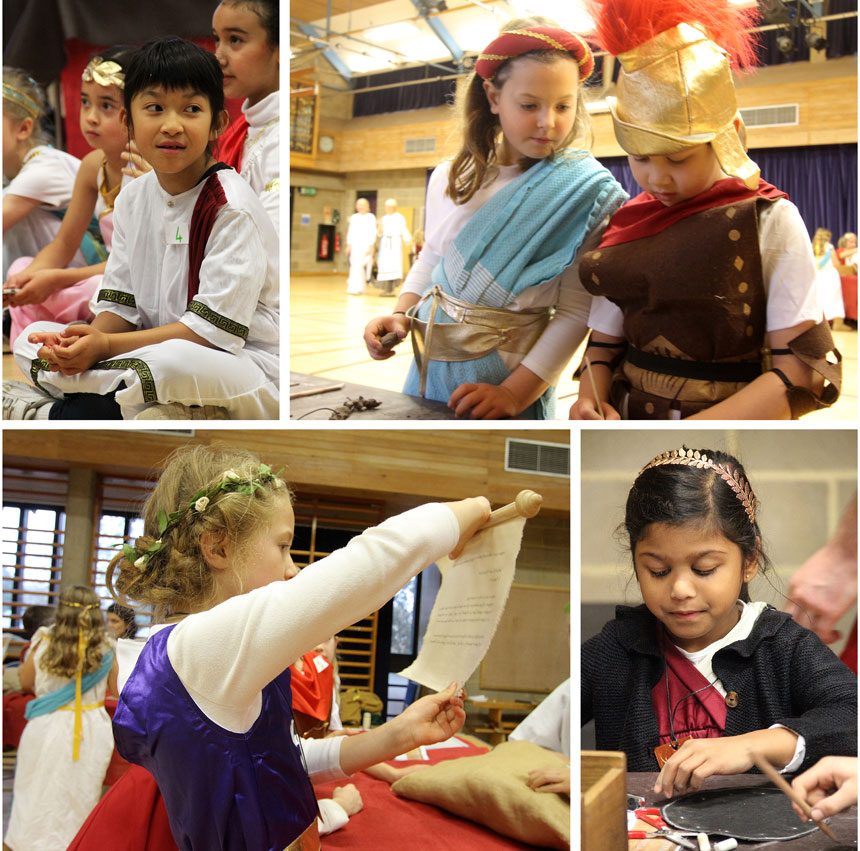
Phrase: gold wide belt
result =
(308, 841)
(476, 331)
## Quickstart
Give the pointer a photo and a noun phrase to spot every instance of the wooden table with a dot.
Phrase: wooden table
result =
(395, 406)
(498, 727)
(844, 824)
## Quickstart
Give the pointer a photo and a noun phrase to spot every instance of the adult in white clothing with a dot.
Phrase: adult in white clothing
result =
(360, 239)
(393, 236)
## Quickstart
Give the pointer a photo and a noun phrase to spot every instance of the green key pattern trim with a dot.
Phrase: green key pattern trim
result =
(117, 297)
(219, 321)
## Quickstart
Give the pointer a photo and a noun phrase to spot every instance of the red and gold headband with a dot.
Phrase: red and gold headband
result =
(695, 458)
(517, 42)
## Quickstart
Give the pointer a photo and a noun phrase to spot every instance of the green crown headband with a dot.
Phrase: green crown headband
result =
(21, 99)
(230, 482)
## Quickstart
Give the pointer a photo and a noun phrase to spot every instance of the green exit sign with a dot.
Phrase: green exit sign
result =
(307, 190)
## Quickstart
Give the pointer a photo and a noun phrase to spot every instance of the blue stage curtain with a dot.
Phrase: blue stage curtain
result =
(821, 180)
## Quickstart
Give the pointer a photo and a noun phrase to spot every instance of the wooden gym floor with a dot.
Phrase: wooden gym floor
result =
(327, 325)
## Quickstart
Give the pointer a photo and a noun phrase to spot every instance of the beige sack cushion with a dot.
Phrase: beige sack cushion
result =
(491, 790)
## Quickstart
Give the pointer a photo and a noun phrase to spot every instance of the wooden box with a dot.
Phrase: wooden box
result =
(603, 798)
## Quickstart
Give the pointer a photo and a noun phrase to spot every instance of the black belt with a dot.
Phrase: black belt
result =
(701, 370)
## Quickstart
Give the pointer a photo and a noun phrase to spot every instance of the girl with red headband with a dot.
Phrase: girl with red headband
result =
(504, 222)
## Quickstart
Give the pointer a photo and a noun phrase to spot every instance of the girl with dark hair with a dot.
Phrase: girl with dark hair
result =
(187, 317)
(697, 677)
(67, 744)
(247, 48)
(505, 220)
(47, 287)
(120, 621)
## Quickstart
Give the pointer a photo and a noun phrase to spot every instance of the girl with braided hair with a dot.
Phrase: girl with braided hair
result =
(205, 701)
(505, 220)
(698, 676)
(67, 744)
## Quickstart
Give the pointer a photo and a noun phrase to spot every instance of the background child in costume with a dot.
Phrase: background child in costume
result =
(829, 283)
(40, 178)
(709, 266)
(698, 659)
(215, 554)
(247, 38)
(360, 239)
(120, 621)
(522, 186)
(46, 288)
(188, 314)
(58, 775)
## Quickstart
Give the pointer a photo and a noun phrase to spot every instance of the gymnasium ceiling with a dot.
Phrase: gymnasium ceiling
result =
(344, 31)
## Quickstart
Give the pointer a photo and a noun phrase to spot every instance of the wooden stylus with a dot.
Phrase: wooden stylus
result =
(766, 768)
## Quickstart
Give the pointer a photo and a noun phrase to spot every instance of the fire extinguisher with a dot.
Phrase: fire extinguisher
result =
(336, 243)
(324, 246)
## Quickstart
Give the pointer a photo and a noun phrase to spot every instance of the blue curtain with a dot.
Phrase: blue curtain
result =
(821, 180)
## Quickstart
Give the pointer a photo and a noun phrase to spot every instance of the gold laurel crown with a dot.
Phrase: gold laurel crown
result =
(695, 458)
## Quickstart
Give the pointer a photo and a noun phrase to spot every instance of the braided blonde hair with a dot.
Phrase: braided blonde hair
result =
(167, 568)
(78, 610)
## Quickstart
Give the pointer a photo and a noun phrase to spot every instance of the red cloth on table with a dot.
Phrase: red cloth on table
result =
(130, 817)
(312, 686)
(391, 822)
(849, 295)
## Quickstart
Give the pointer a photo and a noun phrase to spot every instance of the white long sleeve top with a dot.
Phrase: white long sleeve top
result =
(444, 219)
(226, 655)
(261, 154)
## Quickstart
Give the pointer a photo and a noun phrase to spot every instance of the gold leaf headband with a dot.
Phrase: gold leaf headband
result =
(21, 99)
(695, 458)
(104, 73)
(81, 605)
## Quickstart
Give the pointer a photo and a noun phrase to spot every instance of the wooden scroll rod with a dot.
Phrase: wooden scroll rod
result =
(527, 504)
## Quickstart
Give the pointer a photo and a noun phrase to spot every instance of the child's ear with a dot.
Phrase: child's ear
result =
(25, 129)
(219, 125)
(215, 550)
(493, 94)
(751, 564)
(123, 120)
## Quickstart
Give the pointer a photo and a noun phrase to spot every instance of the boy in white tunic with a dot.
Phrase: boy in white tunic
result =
(187, 318)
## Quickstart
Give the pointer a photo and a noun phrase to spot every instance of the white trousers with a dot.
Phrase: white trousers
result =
(171, 371)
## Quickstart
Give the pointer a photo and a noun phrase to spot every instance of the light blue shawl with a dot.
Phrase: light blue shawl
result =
(525, 235)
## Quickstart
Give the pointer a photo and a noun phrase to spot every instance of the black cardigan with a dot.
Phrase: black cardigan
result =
(781, 673)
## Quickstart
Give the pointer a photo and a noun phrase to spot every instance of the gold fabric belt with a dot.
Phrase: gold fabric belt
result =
(83, 708)
(308, 841)
(476, 331)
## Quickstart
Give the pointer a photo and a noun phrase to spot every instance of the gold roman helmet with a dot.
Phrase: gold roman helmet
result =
(676, 91)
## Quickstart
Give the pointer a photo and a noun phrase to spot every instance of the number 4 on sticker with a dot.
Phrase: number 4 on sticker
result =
(176, 234)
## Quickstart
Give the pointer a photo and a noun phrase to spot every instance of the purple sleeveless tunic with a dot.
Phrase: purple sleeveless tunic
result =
(223, 790)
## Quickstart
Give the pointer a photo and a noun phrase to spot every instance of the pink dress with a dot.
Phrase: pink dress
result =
(71, 304)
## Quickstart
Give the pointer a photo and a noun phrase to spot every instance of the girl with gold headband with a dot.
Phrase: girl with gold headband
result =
(47, 287)
(707, 303)
(67, 744)
(505, 220)
(37, 178)
(698, 677)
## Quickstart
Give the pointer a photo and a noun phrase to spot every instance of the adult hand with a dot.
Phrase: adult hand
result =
(483, 402)
(377, 328)
(585, 408)
(471, 515)
(550, 779)
(822, 590)
(349, 798)
(829, 787)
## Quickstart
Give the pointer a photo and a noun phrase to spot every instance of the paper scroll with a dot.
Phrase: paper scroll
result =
(471, 600)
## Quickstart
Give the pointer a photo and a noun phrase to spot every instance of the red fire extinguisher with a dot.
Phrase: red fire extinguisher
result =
(324, 246)
(336, 243)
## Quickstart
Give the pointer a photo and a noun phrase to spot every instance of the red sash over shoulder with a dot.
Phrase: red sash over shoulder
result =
(229, 147)
(209, 201)
(645, 216)
(702, 716)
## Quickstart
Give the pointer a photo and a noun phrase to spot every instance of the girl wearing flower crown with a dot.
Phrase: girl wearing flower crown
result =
(706, 288)
(37, 178)
(247, 47)
(504, 220)
(205, 702)
(46, 287)
(67, 744)
(698, 677)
